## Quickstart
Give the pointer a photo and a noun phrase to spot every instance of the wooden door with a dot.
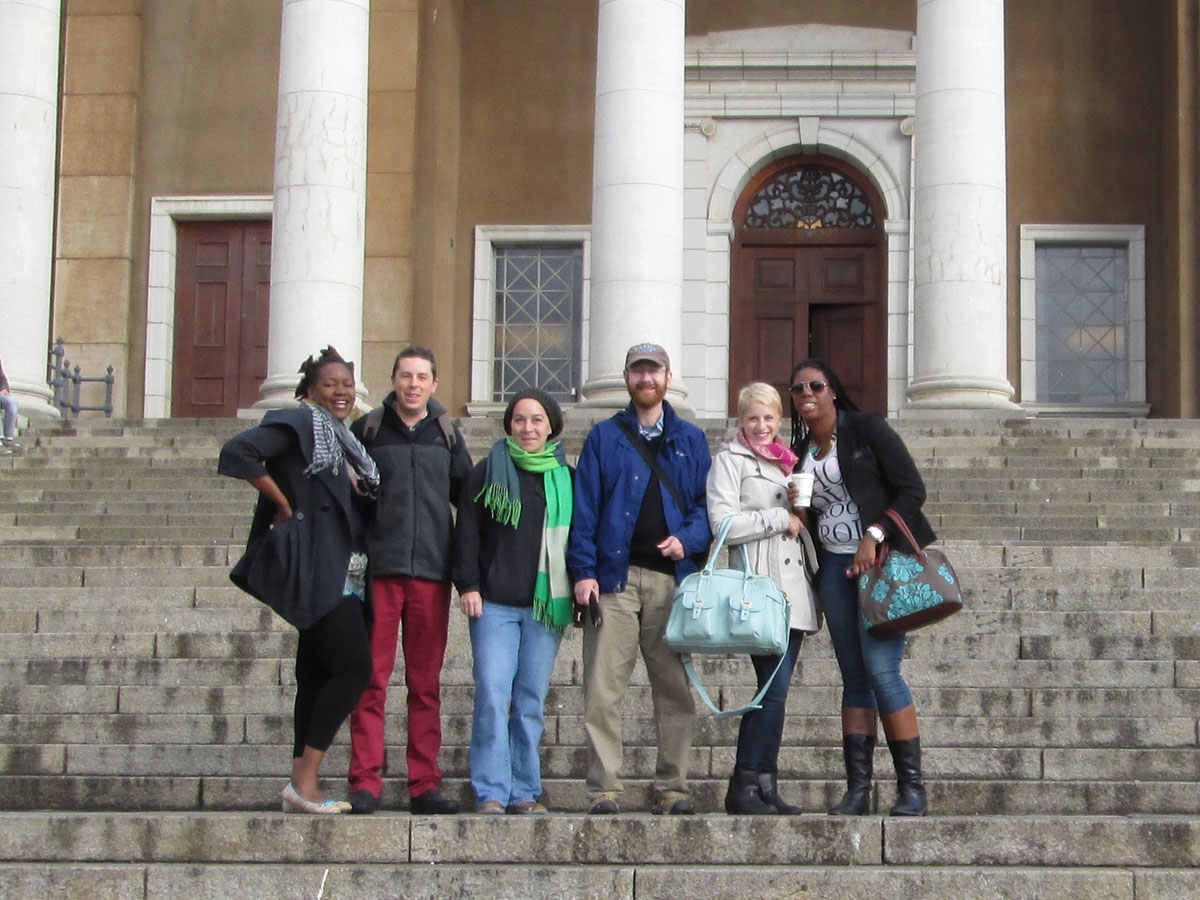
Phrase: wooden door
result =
(222, 286)
(794, 301)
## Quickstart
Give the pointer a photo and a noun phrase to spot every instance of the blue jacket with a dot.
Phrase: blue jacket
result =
(610, 484)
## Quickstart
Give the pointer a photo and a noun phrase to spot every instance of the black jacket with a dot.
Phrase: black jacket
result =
(412, 529)
(299, 568)
(499, 561)
(880, 474)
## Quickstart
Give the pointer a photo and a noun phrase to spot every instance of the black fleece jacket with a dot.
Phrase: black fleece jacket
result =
(412, 530)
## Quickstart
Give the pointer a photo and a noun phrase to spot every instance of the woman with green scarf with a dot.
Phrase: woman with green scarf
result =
(514, 518)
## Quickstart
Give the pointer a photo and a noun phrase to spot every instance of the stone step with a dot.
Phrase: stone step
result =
(974, 637)
(862, 844)
(223, 532)
(279, 642)
(963, 745)
(354, 881)
(1001, 766)
(76, 621)
(259, 792)
(1030, 673)
(104, 556)
(102, 510)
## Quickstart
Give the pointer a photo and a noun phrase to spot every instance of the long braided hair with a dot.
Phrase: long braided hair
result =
(841, 400)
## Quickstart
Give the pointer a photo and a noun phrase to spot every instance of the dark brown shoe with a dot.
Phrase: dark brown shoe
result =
(432, 803)
(527, 808)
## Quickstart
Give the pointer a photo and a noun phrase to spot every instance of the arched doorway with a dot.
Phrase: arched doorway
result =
(808, 278)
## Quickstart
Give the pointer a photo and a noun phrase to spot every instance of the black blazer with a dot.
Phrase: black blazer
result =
(299, 568)
(880, 474)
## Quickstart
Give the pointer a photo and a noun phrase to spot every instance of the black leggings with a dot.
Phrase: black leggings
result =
(333, 663)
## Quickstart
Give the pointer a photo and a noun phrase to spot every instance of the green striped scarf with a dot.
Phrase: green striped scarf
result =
(501, 493)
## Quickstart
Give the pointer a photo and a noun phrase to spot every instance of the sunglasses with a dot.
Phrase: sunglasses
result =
(815, 386)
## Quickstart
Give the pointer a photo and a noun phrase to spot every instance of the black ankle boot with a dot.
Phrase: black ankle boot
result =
(768, 787)
(910, 788)
(858, 750)
(744, 798)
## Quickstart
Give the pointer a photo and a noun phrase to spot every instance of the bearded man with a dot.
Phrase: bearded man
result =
(639, 520)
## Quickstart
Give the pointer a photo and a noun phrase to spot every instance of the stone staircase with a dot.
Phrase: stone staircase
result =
(145, 702)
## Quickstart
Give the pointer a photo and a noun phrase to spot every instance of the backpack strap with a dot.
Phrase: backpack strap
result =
(448, 431)
(373, 419)
(371, 423)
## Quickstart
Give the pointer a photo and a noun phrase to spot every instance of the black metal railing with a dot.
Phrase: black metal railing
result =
(65, 382)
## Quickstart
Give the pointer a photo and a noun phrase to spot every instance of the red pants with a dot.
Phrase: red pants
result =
(420, 611)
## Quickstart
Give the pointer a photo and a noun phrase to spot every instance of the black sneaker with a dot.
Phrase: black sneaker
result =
(432, 803)
(363, 803)
(603, 806)
(680, 807)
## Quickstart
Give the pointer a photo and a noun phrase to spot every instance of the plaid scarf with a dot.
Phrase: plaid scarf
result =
(333, 444)
(501, 493)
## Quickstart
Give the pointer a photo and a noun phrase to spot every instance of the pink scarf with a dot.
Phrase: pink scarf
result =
(775, 452)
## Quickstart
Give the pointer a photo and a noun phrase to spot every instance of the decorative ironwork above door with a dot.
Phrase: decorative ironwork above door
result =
(810, 197)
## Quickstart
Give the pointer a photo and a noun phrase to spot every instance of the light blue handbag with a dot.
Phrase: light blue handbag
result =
(728, 611)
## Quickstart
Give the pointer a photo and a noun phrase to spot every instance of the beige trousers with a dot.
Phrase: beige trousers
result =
(634, 619)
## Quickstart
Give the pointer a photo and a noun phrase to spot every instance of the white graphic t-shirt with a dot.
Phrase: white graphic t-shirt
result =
(838, 525)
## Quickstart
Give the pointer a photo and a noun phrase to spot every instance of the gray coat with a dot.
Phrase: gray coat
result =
(754, 492)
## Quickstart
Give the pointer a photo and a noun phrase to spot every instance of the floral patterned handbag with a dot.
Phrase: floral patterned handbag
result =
(905, 591)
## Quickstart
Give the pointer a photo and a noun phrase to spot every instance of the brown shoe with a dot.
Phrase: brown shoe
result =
(528, 808)
(490, 808)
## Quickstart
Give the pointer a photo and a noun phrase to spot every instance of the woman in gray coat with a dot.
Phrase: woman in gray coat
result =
(748, 481)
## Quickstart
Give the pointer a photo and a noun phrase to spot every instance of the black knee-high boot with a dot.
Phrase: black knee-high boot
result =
(910, 787)
(858, 750)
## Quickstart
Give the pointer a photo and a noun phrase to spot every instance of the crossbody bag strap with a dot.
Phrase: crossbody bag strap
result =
(756, 703)
(655, 466)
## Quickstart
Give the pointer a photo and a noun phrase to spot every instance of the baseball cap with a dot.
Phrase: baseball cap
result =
(647, 352)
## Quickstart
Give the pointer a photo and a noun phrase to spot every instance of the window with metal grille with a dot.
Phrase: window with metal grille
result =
(538, 294)
(1083, 317)
(1082, 323)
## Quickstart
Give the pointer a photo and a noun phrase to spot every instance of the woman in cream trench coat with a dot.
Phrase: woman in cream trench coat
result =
(748, 481)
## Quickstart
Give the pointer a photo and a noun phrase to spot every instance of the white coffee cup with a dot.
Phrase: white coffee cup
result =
(804, 486)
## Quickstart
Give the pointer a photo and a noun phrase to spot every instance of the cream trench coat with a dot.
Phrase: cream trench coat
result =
(754, 492)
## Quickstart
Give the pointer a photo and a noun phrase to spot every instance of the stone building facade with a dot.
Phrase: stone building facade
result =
(962, 203)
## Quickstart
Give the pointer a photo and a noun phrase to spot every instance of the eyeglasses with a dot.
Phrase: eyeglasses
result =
(815, 386)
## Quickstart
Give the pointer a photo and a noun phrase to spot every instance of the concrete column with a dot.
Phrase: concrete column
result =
(29, 38)
(637, 192)
(960, 353)
(317, 240)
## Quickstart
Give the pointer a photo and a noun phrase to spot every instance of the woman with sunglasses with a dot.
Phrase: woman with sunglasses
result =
(748, 483)
(861, 469)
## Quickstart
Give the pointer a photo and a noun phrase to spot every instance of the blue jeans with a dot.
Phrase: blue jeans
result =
(9, 402)
(761, 731)
(514, 655)
(870, 667)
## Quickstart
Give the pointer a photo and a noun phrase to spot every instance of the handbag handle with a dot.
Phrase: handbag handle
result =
(904, 530)
(722, 533)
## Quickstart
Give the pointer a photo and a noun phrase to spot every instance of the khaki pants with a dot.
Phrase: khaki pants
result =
(636, 618)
